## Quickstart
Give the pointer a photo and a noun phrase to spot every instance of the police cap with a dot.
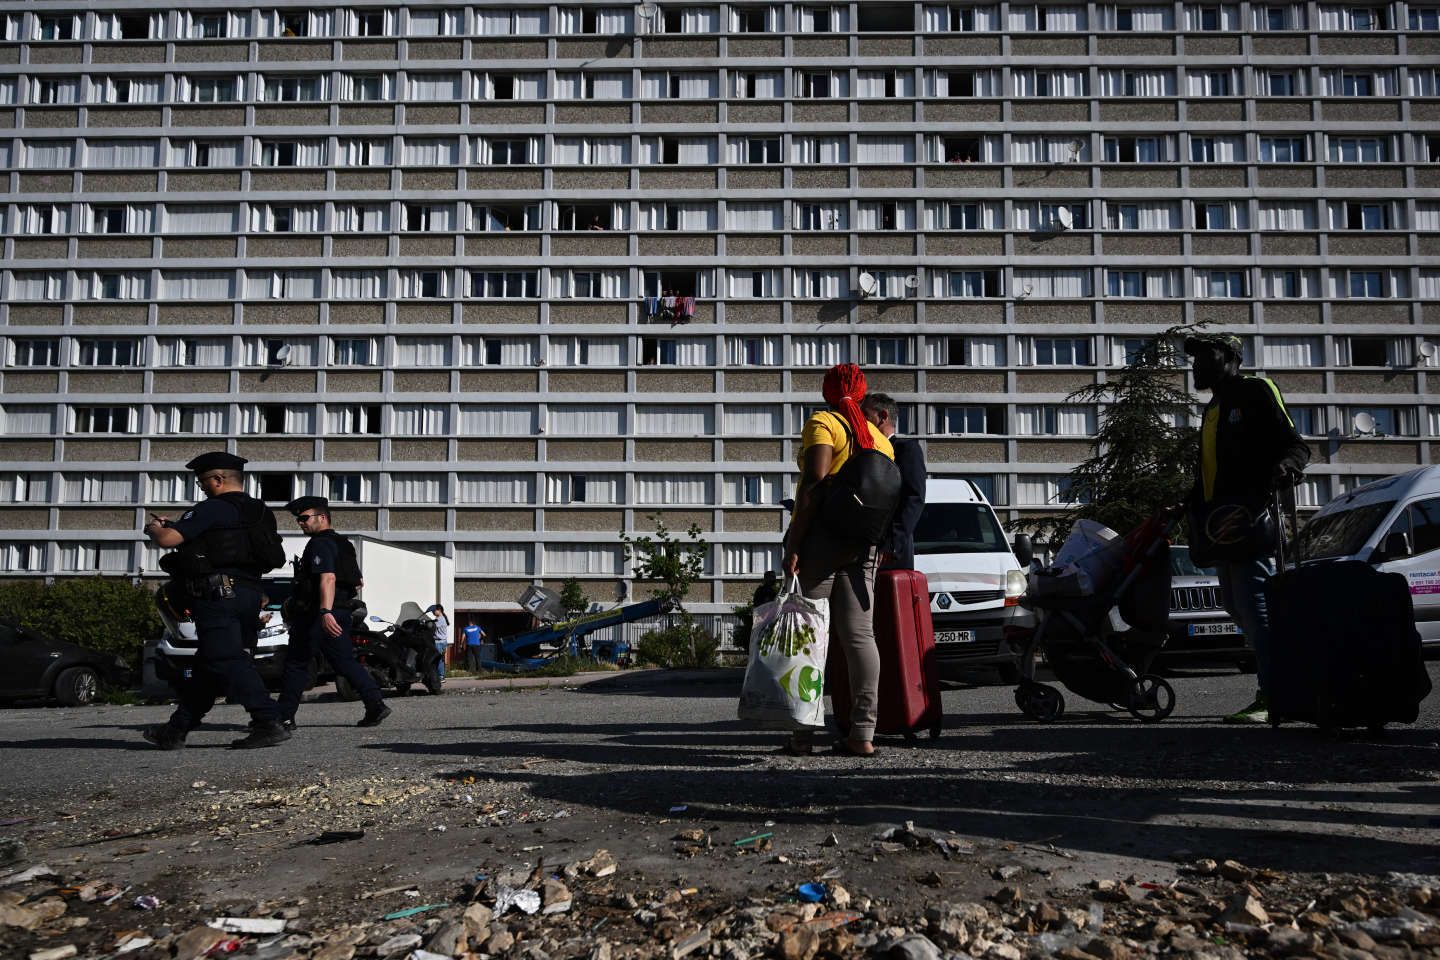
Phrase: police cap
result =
(216, 460)
(300, 504)
(1226, 343)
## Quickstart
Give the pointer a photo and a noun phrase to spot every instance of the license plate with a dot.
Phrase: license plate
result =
(1212, 629)
(955, 636)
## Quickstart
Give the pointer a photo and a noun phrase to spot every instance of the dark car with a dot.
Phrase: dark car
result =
(1201, 631)
(34, 667)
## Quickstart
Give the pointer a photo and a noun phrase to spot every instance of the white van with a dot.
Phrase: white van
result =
(1393, 525)
(976, 579)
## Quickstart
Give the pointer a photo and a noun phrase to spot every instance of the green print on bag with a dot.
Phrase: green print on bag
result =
(787, 638)
(808, 684)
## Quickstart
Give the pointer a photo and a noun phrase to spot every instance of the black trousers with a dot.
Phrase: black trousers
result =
(472, 658)
(308, 637)
(223, 666)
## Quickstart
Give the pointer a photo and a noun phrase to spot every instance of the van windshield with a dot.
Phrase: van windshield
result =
(1342, 533)
(959, 528)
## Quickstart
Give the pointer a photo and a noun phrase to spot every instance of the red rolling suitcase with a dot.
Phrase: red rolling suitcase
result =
(909, 674)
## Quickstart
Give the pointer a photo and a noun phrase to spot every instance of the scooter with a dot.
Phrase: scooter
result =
(397, 655)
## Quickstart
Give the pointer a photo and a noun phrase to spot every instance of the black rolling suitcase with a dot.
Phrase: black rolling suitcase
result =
(1344, 650)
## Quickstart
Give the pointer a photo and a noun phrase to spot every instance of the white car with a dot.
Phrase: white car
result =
(976, 580)
(1394, 525)
(172, 656)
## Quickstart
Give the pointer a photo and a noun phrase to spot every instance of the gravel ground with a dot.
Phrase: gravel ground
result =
(496, 781)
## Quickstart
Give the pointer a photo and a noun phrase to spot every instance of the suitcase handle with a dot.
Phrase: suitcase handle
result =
(1281, 553)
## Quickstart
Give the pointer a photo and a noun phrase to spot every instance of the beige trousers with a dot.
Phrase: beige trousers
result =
(844, 574)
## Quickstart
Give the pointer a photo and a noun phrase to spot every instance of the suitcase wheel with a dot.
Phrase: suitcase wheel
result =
(1039, 701)
(1152, 699)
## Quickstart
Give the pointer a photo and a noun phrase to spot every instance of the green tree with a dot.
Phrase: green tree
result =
(110, 615)
(1144, 451)
(672, 566)
(573, 599)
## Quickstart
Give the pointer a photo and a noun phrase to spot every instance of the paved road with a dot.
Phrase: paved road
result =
(1118, 795)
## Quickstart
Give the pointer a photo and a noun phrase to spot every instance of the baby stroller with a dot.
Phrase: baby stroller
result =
(1103, 616)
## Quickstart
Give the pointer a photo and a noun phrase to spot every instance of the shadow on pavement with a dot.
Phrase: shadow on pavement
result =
(1281, 798)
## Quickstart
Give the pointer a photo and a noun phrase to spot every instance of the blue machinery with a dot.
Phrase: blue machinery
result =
(517, 652)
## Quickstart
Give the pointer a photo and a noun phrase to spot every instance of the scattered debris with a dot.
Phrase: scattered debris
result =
(248, 925)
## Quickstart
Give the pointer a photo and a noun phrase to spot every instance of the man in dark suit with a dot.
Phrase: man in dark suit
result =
(898, 550)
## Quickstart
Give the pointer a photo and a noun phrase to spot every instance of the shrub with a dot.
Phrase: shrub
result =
(106, 615)
(740, 631)
(683, 645)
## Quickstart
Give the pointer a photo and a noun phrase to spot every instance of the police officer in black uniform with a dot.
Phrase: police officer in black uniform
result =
(327, 576)
(220, 547)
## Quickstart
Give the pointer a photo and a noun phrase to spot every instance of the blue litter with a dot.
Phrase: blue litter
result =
(811, 892)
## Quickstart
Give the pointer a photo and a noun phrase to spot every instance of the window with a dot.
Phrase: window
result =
(353, 352)
(1221, 215)
(351, 488)
(1220, 283)
(969, 283)
(107, 353)
(1369, 351)
(891, 351)
(1057, 351)
(500, 218)
(1139, 149)
(55, 28)
(1366, 283)
(103, 419)
(754, 19)
(1359, 149)
(1420, 525)
(35, 353)
(505, 285)
(970, 420)
(1424, 18)
(211, 89)
(352, 419)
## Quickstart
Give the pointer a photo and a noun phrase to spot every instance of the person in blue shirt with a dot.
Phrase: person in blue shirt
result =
(474, 636)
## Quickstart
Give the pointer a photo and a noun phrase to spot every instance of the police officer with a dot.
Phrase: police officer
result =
(327, 576)
(220, 547)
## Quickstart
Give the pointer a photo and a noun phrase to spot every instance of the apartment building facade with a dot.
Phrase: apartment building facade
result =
(503, 280)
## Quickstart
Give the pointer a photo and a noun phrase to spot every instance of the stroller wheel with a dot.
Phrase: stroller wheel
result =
(1152, 699)
(1040, 702)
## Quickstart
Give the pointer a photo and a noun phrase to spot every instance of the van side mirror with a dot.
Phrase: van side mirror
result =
(1393, 547)
(1023, 549)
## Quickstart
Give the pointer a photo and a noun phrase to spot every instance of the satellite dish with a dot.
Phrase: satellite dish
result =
(282, 356)
(1364, 423)
(1428, 349)
(868, 286)
(912, 282)
(1064, 219)
(1076, 148)
(1029, 288)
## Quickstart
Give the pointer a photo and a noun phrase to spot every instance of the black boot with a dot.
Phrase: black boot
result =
(262, 734)
(374, 716)
(164, 736)
(289, 724)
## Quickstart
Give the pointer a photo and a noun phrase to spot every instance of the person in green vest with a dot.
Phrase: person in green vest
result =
(1249, 448)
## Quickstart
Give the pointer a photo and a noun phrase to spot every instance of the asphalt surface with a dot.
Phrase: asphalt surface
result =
(1097, 794)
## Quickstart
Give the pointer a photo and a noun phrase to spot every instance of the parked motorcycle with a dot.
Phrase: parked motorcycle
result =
(397, 655)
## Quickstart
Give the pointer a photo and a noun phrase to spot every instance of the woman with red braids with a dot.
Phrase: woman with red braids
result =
(826, 564)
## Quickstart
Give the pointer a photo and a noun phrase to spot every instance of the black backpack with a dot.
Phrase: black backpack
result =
(265, 547)
(858, 502)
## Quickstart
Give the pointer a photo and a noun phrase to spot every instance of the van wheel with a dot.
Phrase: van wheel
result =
(77, 686)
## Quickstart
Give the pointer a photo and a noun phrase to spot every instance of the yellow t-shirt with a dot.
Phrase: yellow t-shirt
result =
(829, 428)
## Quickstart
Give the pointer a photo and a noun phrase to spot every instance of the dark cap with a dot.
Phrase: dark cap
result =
(216, 460)
(300, 504)
(1224, 342)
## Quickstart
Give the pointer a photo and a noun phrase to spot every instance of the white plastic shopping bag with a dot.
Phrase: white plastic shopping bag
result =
(785, 679)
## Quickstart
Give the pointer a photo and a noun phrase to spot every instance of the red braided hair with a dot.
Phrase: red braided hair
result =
(843, 389)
